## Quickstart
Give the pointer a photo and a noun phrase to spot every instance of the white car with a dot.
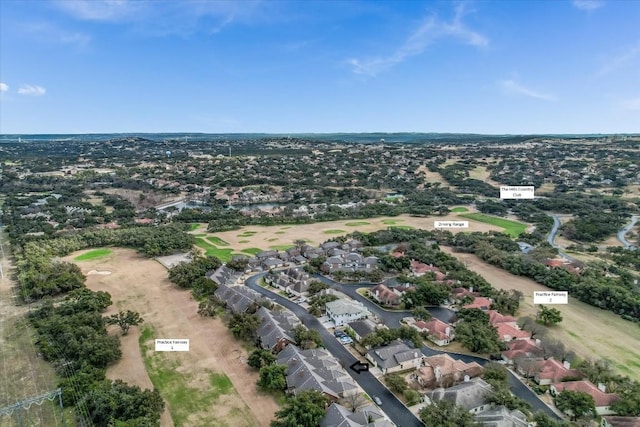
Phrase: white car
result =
(377, 400)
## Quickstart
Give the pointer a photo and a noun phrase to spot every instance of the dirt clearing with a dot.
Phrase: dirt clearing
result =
(185, 379)
(589, 331)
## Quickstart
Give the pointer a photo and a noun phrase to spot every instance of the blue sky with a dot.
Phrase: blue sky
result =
(330, 66)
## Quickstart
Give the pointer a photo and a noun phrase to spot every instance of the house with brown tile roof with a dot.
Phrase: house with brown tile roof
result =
(442, 370)
(552, 371)
(495, 318)
(384, 295)
(521, 348)
(480, 302)
(439, 332)
(602, 400)
(617, 421)
(508, 332)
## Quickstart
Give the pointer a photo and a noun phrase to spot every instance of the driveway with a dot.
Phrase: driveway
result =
(392, 320)
(397, 412)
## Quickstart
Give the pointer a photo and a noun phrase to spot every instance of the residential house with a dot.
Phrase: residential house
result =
(481, 303)
(617, 421)
(315, 369)
(508, 332)
(439, 332)
(420, 269)
(501, 416)
(471, 395)
(276, 329)
(369, 416)
(602, 400)
(552, 371)
(395, 357)
(521, 348)
(362, 328)
(271, 263)
(343, 311)
(496, 318)
(384, 295)
(349, 263)
(293, 280)
(223, 275)
(238, 298)
(444, 371)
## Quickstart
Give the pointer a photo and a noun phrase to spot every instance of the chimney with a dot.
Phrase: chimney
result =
(602, 387)
(466, 378)
(470, 288)
(567, 364)
(537, 342)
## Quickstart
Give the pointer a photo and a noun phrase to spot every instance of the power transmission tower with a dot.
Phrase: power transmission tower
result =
(38, 400)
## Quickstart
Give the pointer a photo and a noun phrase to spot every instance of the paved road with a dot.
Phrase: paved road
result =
(551, 237)
(397, 412)
(626, 229)
(391, 319)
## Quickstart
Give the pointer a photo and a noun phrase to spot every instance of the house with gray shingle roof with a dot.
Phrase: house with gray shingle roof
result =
(276, 329)
(343, 311)
(395, 357)
(471, 395)
(500, 416)
(315, 369)
(238, 298)
(369, 416)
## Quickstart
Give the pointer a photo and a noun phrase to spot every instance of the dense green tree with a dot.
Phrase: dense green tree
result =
(544, 420)
(549, 316)
(576, 404)
(306, 338)
(185, 274)
(273, 377)
(445, 413)
(305, 409)
(259, 358)
(125, 320)
(396, 383)
(629, 403)
(496, 374)
(421, 313)
(244, 326)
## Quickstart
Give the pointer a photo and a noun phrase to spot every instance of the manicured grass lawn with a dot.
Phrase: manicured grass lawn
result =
(512, 228)
(404, 227)
(247, 233)
(96, 253)
(281, 232)
(223, 255)
(273, 239)
(243, 241)
(193, 226)
(201, 235)
(217, 241)
(285, 228)
(459, 209)
(280, 247)
(251, 251)
(357, 223)
(334, 232)
(391, 221)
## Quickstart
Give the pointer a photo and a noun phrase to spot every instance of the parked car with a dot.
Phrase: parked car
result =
(377, 400)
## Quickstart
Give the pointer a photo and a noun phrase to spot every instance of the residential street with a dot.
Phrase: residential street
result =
(397, 412)
(391, 405)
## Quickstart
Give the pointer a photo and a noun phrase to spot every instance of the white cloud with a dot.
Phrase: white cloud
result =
(32, 90)
(4, 87)
(588, 5)
(100, 10)
(514, 88)
(632, 104)
(162, 18)
(620, 60)
(430, 30)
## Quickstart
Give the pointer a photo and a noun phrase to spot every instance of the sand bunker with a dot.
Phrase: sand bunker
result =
(98, 272)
